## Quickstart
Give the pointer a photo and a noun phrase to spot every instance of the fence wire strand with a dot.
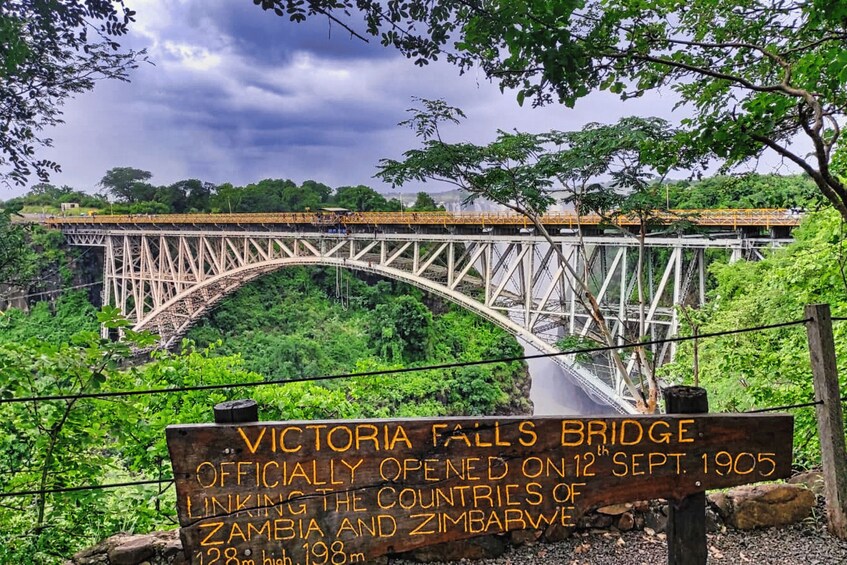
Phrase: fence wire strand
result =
(785, 407)
(385, 372)
(42, 492)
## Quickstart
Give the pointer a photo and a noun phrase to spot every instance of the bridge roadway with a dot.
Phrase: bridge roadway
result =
(166, 271)
(724, 219)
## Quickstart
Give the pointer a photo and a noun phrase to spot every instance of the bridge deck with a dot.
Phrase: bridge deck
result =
(729, 218)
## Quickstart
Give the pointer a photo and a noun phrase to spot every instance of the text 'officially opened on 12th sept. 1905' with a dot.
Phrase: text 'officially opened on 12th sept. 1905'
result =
(338, 492)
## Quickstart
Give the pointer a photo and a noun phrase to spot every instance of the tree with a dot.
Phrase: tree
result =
(635, 153)
(174, 197)
(51, 50)
(186, 196)
(359, 198)
(425, 203)
(226, 198)
(756, 74)
(17, 259)
(263, 196)
(323, 192)
(749, 190)
(128, 184)
(43, 194)
(298, 198)
(45, 189)
(521, 171)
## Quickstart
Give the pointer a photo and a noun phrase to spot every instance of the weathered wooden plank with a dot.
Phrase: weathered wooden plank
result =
(305, 493)
(829, 416)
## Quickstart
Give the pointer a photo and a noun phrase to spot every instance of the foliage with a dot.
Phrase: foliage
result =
(30, 257)
(298, 323)
(48, 196)
(401, 329)
(49, 322)
(756, 75)
(575, 342)
(771, 368)
(131, 193)
(743, 191)
(49, 444)
(635, 154)
(127, 184)
(16, 256)
(51, 50)
(425, 203)
(269, 195)
(360, 199)
(190, 195)
(522, 170)
(142, 207)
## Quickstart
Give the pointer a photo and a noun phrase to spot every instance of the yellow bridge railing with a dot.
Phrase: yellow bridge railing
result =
(724, 217)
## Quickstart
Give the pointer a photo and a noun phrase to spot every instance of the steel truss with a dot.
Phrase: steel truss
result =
(166, 281)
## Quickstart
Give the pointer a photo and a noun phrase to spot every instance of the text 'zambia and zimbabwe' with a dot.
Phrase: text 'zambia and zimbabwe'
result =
(333, 492)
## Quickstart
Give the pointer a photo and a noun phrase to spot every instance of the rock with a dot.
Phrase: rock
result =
(614, 509)
(721, 503)
(520, 537)
(713, 523)
(483, 547)
(626, 522)
(91, 559)
(639, 521)
(157, 548)
(98, 554)
(656, 521)
(812, 480)
(641, 506)
(755, 506)
(132, 551)
(597, 521)
(558, 532)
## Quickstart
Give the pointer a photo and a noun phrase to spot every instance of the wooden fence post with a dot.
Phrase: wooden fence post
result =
(687, 516)
(236, 412)
(829, 416)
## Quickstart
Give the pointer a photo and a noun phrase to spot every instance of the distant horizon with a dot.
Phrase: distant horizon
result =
(388, 192)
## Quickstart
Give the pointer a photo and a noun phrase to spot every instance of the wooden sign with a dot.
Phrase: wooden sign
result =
(339, 492)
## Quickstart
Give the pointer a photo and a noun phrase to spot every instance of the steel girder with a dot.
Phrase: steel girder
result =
(165, 281)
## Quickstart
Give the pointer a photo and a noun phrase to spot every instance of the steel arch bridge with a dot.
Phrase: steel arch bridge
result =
(166, 272)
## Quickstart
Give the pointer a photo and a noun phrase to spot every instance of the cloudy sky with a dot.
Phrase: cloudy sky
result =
(236, 94)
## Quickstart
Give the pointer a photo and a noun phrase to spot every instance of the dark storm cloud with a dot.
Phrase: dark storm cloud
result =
(263, 36)
(225, 115)
(237, 94)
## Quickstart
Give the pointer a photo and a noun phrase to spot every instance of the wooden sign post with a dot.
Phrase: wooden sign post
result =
(339, 492)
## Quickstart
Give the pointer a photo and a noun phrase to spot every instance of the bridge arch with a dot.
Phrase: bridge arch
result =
(175, 317)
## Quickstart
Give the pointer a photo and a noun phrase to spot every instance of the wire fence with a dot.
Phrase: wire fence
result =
(386, 372)
(43, 492)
